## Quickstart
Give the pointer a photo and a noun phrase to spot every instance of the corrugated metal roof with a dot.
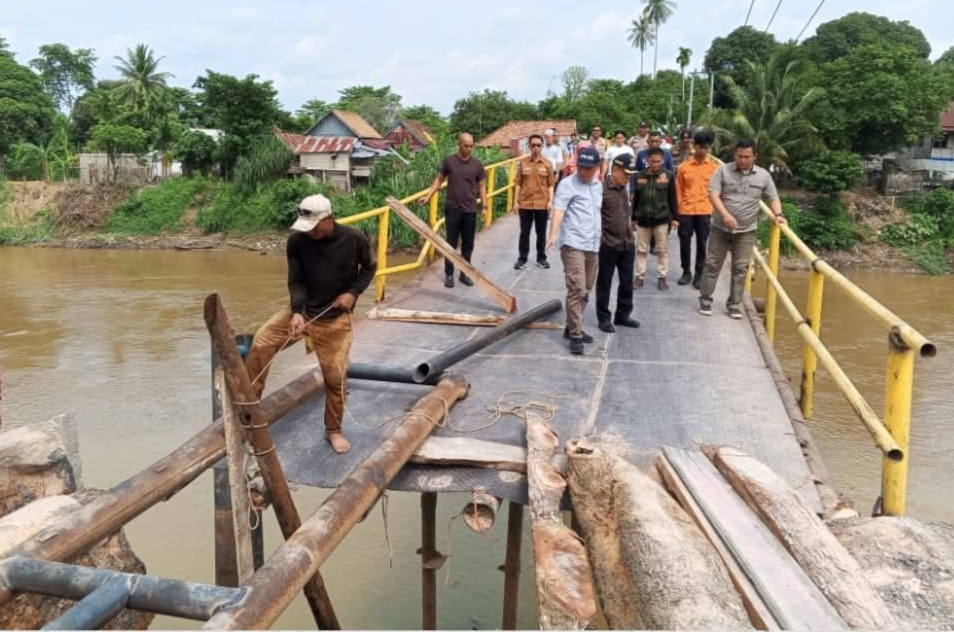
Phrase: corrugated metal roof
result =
(421, 133)
(324, 145)
(521, 129)
(291, 140)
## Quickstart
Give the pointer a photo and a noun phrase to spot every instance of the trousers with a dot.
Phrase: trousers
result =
(611, 261)
(461, 227)
(579, 271)
(690, 225)
(722, 243)
(530, 219)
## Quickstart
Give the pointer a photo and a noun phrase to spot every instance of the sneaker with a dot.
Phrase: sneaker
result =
(587, 338)
(520, 265)
(638, 283)
(697, 281)
(705, 310)
(685, 279)
(543, 263)
(449, 280)
(465, 279)
(606, 326)
(626, 321)
(576, 346)
(662, 285)
(735, 313)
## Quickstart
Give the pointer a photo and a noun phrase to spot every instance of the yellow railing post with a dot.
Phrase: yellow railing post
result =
(816, 289)
(491, 184)
(750, 276)
(384, 227)
(432, 216)
(897, 419)
(775, 237)
(511, 177)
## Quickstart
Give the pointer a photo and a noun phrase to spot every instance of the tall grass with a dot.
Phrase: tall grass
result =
(159, 208)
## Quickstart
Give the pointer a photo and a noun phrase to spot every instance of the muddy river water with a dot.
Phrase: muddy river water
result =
(117, 337)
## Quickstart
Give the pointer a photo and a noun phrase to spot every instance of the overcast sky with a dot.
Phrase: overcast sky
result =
(429, 51)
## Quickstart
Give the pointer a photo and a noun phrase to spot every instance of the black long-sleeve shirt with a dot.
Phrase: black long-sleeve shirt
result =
(320, 270)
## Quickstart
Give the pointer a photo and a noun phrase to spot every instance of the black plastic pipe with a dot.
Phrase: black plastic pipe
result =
(96, 608)
(379, 373)
(436, 365)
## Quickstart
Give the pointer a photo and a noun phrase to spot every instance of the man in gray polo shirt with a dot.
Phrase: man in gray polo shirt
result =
(735, 190)
(576, 221)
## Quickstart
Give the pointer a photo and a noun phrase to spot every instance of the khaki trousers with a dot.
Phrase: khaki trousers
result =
(739, 247)
(643, 236)
(579, 271)
(331, 339)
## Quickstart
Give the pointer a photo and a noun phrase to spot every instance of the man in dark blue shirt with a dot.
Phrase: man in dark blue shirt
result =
(642, 158)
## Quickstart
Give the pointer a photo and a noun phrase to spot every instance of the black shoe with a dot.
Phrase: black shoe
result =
(697, 281)
(465, 280)
(685, 279)
(576, 346)
(543, 263)
(449, 280)
(587, 338)
(606, 326)
(626, 321)
(520, 265)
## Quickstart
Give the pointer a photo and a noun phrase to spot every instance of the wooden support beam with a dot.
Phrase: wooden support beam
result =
(471, 453)
(447, 318)
(653, 568)
(565, 594)
(274, 586)
(238, 491)
(805, 536)
(428, 553)
(251, 418)
(511, 566)
(503, 298)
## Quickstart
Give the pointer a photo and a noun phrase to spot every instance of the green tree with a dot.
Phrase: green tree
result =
(26, 111)
(144, 87)
(66, 74)
(839, 38)
(772, 110)
(881, 99)
(378, 106)
(185, 106)
(243, 109)
(5, 47)
(197, 152)
(658, 12)
(98, 105)
(482, 112)
(946, 59)
(429, 116)
(640, 36)
(267, 159)
(831, 172)
(310, 112)
(574, 81)
(683, 59)
(728, 56)
(114, 140)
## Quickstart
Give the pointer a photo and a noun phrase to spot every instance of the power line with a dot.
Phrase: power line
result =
(747, 15)
(774, 13)
(817, 9)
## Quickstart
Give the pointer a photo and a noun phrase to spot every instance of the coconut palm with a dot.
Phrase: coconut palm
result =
(772, 110)
(658, 11)
(685, 54)
(143, 88)
(641, 36)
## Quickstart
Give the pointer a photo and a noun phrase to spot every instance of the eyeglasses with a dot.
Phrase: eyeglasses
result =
(303, 212)
(536, 144)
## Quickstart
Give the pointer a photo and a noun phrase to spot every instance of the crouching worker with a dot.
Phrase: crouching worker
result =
(329, 266)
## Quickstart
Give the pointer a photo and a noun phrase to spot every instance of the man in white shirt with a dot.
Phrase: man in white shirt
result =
(617, 149)
(553, 152)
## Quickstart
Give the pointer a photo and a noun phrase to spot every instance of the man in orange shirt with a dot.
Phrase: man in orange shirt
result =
(695, 209)
(533, 200)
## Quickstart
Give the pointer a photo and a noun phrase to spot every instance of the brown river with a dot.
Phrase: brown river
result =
(117, 337)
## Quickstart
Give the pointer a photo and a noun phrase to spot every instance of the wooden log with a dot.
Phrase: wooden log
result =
(759, 614)
(805, 536)
(503, 298)
(252, 419)
(238, 487)
(794, 601)
(75, 532)
(471, 453)
(480, 512)
(565, 591)
(276, 583)
(653, 567)
(446, 318)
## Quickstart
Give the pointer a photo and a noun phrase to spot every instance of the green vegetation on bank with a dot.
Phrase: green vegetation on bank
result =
(927, 235)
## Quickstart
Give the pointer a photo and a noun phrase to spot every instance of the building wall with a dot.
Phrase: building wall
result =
(94, 168)
(330, 126)
(324, 162)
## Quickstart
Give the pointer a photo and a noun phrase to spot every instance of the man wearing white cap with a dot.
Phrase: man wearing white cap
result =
(553, 152)
(329, 266)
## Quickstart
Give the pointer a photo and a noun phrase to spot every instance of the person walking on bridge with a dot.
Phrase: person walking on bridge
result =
(533, 195)
(329, 266)
(554, 153)
(735, 190)
(577, 227)
(466, 179)
(695, 208)
(617, 246)
(655, 209)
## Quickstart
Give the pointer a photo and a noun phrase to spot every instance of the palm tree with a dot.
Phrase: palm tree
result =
(658, 11)
(772, 110)
(685, 54)
(640, 36)
(143, 88)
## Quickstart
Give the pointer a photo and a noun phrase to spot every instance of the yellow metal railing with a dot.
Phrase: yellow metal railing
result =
(904, 341)
(383, 216)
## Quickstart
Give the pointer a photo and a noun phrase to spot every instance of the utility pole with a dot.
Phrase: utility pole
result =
(692, 87)
(711, 88)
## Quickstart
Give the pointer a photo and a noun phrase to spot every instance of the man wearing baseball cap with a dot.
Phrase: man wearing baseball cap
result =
(329, 266)
(617, 247)
(576, 222)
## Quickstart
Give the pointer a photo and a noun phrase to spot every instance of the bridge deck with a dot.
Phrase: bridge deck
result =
(681, 380)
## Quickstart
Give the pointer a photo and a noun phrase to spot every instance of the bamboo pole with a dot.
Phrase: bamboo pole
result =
(897, 418)
(273, 586)
(511, 566)
(428, 552)
(447, 318)
(77, 531)
(253, 420)
(238, 490)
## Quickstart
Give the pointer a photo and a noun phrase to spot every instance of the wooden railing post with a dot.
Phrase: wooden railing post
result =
(813, 314)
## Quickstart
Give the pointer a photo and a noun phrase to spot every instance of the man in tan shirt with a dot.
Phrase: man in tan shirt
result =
(533, 199)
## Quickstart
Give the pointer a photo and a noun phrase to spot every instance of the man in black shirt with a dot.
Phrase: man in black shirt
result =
(329, 266)
(617, 247)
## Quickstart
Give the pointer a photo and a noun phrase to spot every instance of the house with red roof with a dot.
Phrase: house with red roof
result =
(415, 133)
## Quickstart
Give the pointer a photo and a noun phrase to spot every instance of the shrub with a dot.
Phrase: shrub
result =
(930, 257)
(917, 229)
(156, 209)
(831, 172)
(940, 205)
(824, 226)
